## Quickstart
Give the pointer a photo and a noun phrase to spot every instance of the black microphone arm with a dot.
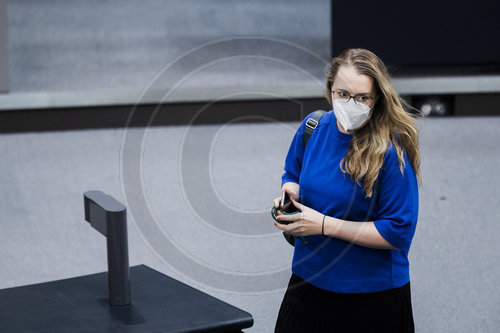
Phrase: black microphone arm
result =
(109, 217)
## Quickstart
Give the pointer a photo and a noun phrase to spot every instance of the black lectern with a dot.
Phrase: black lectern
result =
(149, 300)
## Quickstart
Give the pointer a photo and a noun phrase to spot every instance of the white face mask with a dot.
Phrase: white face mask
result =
(350, 115)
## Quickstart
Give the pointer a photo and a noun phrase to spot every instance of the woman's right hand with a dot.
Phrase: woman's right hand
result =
(292, 189)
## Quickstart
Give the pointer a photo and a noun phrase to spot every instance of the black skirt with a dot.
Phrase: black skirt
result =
(306, 308)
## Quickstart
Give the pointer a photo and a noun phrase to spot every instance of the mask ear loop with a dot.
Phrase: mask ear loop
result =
(372, 108)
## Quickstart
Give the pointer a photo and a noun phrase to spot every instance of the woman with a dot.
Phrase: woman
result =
(356, 181)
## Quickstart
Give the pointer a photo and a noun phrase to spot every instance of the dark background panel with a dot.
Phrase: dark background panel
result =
(119, 116)
(426, 37)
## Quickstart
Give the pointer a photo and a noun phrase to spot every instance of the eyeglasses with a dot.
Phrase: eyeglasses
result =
(344, 97)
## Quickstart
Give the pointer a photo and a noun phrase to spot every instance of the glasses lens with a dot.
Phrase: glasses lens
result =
(363, 99)
(341, 96)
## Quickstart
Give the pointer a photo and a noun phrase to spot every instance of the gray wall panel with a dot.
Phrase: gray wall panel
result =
(95, 45)
(4, 64)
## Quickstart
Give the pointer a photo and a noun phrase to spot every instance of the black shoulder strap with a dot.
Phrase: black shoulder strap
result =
(311, 125)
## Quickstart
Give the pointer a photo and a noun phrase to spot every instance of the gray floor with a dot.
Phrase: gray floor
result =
(43, 235)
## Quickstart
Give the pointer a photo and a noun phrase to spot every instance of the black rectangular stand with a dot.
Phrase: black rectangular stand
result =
(160, 304)
(109, 217)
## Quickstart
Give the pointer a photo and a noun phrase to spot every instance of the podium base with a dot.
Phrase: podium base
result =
(159, 304)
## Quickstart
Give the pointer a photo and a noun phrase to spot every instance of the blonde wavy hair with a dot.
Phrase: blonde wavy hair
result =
(389, 122)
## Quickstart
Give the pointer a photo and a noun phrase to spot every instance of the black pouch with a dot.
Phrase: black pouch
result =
(289, 238)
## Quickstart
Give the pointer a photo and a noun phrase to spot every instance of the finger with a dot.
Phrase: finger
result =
(280, 226)
(291, 194)
(297, 204)
(276, 202)
(289, 217)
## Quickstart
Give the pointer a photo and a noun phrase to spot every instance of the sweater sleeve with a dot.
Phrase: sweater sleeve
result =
(293, 161)
(397, 202)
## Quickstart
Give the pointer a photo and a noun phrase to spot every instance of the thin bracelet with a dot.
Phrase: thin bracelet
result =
(323, 225)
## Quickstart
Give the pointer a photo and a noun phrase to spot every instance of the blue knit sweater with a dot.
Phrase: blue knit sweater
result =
(333, 264)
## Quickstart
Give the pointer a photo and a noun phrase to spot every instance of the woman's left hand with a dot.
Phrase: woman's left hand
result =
(306, 222)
